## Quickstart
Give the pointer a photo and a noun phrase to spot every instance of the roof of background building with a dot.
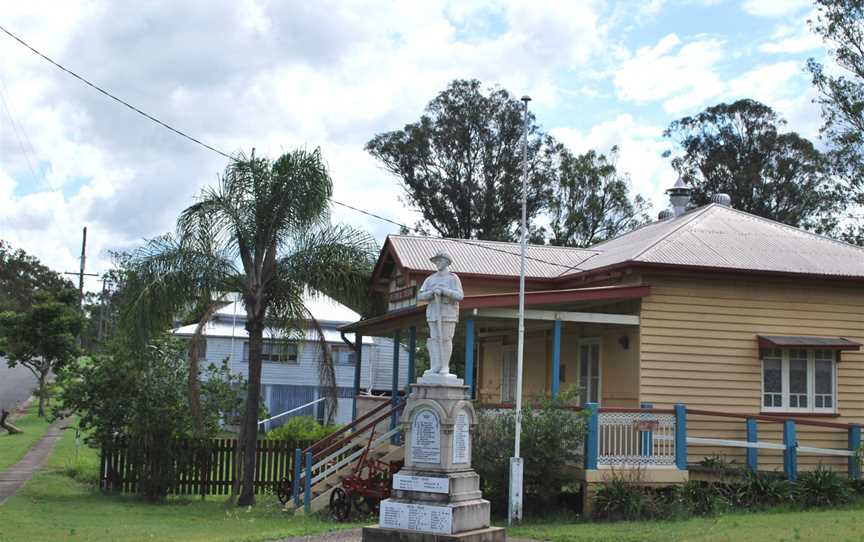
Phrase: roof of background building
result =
(712, 236)
(326, 311)
(322, 307)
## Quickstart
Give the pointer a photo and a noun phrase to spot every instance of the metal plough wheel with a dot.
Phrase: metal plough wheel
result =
(340, 504)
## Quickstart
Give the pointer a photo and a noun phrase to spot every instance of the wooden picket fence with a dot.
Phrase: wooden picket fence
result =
(201, 468)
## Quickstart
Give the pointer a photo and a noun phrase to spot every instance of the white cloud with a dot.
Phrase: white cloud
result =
(774, 8)
(253, 73)
(791, 38)
(681, 74)
(767, 83)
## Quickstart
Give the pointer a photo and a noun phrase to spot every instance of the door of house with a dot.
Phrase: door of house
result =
(508, 375)
(589, 371)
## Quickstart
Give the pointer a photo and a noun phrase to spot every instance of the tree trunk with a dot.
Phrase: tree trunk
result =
(250, 420)
(41, 411)
(8, 425)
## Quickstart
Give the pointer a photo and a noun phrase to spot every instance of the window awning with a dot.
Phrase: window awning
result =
(801, 341)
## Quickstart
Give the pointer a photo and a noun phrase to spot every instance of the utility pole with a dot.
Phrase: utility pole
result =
(516, 465)
(81, 274)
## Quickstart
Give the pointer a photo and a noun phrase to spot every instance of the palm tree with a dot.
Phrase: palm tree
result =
(264, 232)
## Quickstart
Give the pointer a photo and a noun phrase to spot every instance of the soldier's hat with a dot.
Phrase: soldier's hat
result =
(441, 255)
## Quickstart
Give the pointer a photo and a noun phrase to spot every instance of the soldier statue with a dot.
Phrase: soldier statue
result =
(443, 291)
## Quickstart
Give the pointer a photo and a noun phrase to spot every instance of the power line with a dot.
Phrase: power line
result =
(232, 158)
(115, 98)
(17, 134)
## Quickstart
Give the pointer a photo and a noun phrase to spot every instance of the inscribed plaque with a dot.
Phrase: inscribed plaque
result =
(416, 517)
(429, 484)
(426, 437)
(461, 439)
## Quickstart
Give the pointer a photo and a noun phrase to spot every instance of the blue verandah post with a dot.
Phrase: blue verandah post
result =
(412, 356)
(307, 483)
(298, 459)
(358, 357)
(790, 454)
(469, 356)
(556, 357)
(752, 438)
(855, 446)
(592, 441)
(394, 390)
(646, 438)
(681, 437)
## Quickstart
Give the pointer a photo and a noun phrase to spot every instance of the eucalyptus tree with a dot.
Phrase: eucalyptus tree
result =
(264, 232)
(742, 150)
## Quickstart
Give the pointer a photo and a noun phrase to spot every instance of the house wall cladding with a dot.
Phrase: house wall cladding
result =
(305, 372)
(698, 347)
(289, 383)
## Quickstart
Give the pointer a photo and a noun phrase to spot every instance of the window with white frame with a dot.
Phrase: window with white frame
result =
(274, 352)
(343, 355)
(799, 380)
(589, 371)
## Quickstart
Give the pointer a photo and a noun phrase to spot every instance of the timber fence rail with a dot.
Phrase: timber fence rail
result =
(207, 467)
(657, 438)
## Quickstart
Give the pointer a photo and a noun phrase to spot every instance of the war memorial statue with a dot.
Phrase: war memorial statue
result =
(443, 291)
(436, 496)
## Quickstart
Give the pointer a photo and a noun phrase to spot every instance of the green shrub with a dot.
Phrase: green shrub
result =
(552, 441)
(621, 498)
(759, 491)
(136, 398)
(822, 487)
(301, 429)
(695, 498)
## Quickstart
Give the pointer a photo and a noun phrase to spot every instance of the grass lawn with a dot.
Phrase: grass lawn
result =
(13, 447)
(54, 506)
(836, 525)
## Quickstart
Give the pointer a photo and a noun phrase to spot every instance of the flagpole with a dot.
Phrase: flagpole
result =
(515, 515)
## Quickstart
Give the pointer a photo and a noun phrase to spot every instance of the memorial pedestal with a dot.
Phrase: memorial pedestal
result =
(436, 496)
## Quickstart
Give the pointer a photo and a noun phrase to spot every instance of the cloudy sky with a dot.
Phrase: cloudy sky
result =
(277, 75)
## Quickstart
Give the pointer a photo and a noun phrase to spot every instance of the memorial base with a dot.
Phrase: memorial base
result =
(379, 534)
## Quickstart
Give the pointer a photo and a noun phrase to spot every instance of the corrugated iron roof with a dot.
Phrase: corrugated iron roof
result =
(713, 236)
(487, 257)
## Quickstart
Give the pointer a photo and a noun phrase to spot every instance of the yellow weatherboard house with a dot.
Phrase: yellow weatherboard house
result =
(708, 332)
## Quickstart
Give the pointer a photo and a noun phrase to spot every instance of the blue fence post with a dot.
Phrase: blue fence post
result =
(752, 437)
(646, 438)
(298, 459)
(592, 441)
(681, 437)
(307, 483)
(394, 392)
(790, 454)
(556, 358)
(469, 356)
(855, 446)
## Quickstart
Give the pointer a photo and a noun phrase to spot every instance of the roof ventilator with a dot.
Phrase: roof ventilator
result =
(722, 199)
(679, 197)
(665, 214)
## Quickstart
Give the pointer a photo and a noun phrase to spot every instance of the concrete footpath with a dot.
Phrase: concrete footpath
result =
(18, 474)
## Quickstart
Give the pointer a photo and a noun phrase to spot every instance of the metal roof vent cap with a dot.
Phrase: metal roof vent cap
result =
(665, 214)
(722, 199)
(679, 197)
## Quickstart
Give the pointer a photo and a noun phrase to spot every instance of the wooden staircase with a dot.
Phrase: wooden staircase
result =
(336, 456)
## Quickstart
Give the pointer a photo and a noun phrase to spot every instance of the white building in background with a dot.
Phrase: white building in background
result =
(290, 369)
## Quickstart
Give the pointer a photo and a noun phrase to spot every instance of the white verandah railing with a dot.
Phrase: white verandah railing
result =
(657, 438)
(636, 439)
